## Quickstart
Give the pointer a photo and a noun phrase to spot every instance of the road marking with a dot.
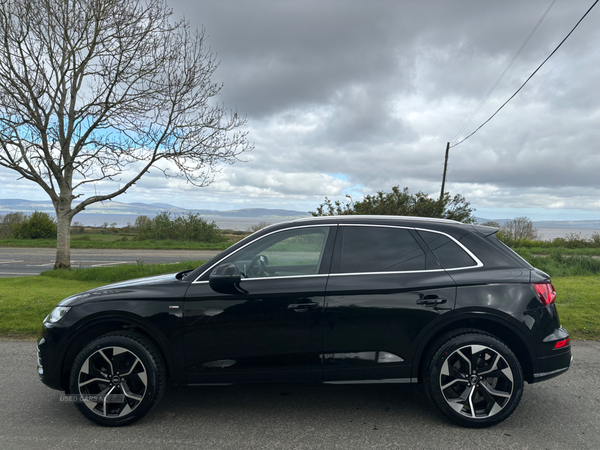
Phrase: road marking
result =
(16, 274)
(84, 263)
(111, 263)
(10, 262)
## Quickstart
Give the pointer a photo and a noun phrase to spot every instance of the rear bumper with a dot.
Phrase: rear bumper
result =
(553, 366)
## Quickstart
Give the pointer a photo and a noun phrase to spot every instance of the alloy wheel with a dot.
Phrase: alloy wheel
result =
(112, 382)
(476, 381)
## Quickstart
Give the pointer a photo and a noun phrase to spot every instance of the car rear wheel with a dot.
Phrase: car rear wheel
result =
(118, 378)
(474, 379)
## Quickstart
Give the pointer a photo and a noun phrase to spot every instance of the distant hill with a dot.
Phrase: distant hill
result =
(151, 209)
(29, 206)
(592, 224)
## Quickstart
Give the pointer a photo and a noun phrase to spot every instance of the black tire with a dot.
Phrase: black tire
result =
(473, 378)
(120, 375)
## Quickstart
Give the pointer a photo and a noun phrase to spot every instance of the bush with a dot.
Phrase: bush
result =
(400, 202)
(77, 228)
(8, 222)
(182, 228)
(141, 224)
(38, 225)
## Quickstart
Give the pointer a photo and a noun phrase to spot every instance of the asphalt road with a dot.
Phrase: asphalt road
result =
(562, 413)
(16, 262)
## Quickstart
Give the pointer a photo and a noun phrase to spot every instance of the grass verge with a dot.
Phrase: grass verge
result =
(117, 244)
(24, 302)
(562, 250)
(557, 264)
(578, 304)
(119, 273)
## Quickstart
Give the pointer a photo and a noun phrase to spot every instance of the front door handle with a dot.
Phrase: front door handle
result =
(431, 300)
(302, 307)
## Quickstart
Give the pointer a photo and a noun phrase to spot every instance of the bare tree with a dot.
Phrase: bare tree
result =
(258, 226)
(94, 90)
(519, 228)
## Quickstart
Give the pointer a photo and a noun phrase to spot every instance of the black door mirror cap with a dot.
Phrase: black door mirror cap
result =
(224, 278)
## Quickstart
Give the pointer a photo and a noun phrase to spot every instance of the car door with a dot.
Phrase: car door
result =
(385, 290)
(270, 328)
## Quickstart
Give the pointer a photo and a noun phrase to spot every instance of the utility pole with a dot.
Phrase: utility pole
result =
(445, 169)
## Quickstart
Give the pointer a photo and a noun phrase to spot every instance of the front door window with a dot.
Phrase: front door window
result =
(287, 253)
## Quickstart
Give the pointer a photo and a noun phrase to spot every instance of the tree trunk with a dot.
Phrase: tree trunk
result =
(64, 215)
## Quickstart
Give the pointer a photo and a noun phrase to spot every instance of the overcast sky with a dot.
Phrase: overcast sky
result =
(352, 97)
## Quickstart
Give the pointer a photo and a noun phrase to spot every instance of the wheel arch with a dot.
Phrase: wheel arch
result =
(498, 327)
(101, 324)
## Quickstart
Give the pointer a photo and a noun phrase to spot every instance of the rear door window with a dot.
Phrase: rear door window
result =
(364, 249)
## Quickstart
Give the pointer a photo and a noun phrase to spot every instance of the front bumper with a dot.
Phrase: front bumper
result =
(49, 360)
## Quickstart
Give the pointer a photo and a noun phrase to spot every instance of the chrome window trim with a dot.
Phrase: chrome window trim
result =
(469, 252)
(283, 277)
(321, 225)
(384, 273)
(477, 265)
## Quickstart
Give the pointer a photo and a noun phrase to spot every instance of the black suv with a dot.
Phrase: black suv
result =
(339, 300)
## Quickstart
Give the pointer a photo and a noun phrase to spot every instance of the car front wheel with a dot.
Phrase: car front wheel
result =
(474, 379)
(117, 378)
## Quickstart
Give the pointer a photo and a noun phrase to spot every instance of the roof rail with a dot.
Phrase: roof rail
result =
(350, 217)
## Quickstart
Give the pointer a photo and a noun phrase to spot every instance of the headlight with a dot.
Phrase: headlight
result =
(57, 314)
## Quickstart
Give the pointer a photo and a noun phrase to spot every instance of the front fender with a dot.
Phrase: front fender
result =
(162, 328)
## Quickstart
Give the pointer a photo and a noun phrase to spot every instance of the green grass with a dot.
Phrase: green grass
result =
(561, 250)
(24, 302)
(578, 304)
(557, 264)
(116, 242)
(120, 273)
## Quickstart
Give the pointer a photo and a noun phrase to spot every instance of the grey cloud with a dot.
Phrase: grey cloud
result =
(373, 90)
(279, 54)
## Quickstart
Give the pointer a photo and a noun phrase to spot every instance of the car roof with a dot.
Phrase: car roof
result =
(373, 218)
(457, 229)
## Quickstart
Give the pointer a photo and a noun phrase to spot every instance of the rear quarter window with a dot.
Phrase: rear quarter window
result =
(448, 253)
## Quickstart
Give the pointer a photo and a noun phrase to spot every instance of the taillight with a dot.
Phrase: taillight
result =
(545, 292)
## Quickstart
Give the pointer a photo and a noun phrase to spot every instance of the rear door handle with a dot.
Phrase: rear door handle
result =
(431, 300)
(302, 307)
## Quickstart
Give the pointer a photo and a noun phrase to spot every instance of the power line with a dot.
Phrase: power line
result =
(472, 116)
(530, 76)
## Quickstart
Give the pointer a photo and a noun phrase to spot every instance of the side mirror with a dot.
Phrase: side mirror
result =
(224, 278)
